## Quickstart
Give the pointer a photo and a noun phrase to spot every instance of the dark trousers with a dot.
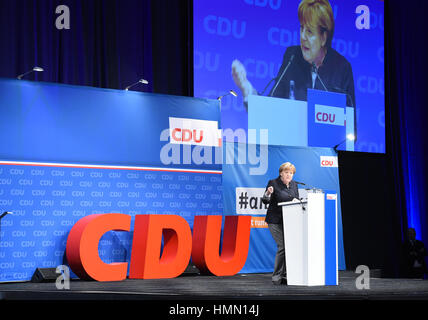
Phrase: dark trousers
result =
(279, 269)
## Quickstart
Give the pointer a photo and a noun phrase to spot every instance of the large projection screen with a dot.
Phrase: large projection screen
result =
(260, 36)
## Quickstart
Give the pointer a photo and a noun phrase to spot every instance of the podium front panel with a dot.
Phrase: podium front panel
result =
(311, 256)
(295, 244)
(315, 239)
(285, 119)
(323, 121)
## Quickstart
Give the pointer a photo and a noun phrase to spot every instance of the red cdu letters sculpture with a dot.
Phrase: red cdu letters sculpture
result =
(147, 262)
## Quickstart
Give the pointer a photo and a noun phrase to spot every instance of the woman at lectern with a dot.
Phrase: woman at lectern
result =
(279, 190)
(313, 64)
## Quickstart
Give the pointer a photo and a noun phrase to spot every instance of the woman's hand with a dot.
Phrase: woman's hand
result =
(269, 191)
(239, 75)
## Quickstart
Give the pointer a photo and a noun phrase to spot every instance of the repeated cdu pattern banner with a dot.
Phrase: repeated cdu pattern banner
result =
(67, 152)
(47, 201)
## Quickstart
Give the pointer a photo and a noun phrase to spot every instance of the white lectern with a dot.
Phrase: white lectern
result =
(311, 255)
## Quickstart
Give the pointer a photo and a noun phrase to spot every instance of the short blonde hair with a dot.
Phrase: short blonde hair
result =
(317, 14)
(288, 166)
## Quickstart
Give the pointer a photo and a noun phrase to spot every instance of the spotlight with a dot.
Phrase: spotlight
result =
(35, 69)
(349, 137)
(143, 81)
(231, 92)
(4, 214)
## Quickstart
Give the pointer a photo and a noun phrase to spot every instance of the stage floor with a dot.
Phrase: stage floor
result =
(239, 287)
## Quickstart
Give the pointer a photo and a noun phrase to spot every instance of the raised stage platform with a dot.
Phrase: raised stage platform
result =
(248, 287)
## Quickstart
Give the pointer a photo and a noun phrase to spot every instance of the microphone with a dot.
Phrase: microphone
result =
(36, 69)
(340, 90)
(315, 70)
(301, 183)
(143, 81)
(301, 202)
(282, 75)
(267, 85)
(309, 187)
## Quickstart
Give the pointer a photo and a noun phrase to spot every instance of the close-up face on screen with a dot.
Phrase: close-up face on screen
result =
(310, 72)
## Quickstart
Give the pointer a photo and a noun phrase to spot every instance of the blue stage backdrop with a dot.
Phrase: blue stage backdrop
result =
(69, 151)
(242, 191)
(257, 33)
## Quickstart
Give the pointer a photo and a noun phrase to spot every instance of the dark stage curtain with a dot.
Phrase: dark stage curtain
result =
(406, 77)
(172, 31)
(383, 195)
(108, 44)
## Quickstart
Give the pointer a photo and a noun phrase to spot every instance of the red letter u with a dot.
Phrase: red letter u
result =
(206, 244)
(201, 135)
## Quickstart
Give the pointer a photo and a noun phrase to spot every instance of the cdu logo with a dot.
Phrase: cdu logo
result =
(329, 161)
(273, 4)
(329, 115)
(223, 26)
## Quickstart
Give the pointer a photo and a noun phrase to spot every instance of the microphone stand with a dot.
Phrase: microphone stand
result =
(348, 96)
(267, 85)
(301, 202)
(309, 187)
(282, 75)
(315, 69)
